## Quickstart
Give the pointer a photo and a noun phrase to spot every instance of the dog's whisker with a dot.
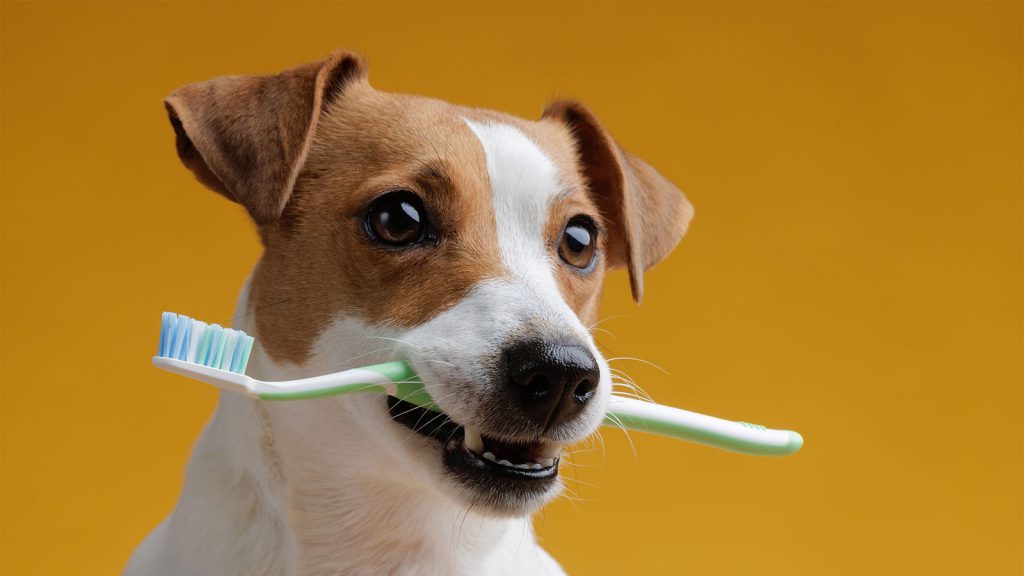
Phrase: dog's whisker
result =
(603, 320)
(396, 340)
(604, 451)
(585, 450)
(570, 495)
(420, 427)
(260, 309)
(349, 362)
(641, 360)
(622, 378)
(615, 420)
(617, 379)
(621, 394)
(581, 482)
(458, 535)
(438, 362)
(414, 408)
(622, 375)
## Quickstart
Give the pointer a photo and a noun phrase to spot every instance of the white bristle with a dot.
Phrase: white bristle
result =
(198, 327)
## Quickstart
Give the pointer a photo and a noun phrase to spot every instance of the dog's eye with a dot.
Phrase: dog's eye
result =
(397, 218)
(578, 246)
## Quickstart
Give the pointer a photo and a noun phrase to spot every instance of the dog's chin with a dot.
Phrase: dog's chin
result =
(494, 476)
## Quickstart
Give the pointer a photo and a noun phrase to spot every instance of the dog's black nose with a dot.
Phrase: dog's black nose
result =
(553, 381)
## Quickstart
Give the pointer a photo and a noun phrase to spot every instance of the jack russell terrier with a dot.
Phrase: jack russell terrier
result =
(471, 244)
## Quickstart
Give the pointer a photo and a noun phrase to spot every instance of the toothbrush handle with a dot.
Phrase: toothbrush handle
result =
(701, 429)
(394, 378)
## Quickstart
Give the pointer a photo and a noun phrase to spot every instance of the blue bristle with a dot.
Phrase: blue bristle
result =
(176, 333)
(187, 334)
(180, 328)
(204, 343)
(244, 360)
(218, 335)
(172, 325)
(171, 321)
(172, 349)
(165, 326)
(237, 354)
(225, 355)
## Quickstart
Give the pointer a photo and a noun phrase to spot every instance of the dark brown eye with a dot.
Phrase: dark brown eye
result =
(397, 219)
(578, 246)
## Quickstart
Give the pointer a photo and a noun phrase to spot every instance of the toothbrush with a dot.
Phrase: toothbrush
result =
(218, 356)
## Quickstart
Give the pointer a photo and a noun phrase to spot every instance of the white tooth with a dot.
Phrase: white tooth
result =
(522, 466)
(489, 456)
(535, 466)
(504, 462)
(473, 440)
(548, 463)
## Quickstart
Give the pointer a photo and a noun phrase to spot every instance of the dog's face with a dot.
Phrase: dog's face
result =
(470, 243)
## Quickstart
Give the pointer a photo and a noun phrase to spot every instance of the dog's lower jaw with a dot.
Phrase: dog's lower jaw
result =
(254, 504)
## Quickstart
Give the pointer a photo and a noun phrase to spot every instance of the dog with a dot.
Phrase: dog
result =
(468, 242)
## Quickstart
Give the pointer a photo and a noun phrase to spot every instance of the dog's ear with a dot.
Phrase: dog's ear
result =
(247, 137)
(646, 215)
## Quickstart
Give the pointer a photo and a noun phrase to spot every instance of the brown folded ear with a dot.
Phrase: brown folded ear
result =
(646, 214)
(246, 137)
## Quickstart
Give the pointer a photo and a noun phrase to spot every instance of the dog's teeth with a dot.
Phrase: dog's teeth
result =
(522, 466)
(548, 463)
(504, 462)
(536, 466)
(473, 441)
(489, 456)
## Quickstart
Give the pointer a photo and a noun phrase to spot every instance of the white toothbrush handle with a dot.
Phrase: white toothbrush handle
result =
(708, 430)
(223, 379)
(394, 378)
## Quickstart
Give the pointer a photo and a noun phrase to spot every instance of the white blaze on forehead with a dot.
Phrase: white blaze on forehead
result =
(524, 181)
(524, 184)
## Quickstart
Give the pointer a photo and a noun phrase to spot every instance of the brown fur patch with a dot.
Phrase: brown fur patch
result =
(645, 213)
(319, 262)
(307, 150)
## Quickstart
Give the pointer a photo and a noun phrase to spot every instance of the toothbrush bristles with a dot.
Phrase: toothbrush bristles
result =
(183, 338)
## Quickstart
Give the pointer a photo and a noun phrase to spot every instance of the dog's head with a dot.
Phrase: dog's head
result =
(470, 243)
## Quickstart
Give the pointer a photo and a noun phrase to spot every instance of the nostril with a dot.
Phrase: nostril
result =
(538, 388)
(584, 391)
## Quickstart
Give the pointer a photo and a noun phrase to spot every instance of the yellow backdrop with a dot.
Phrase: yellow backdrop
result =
(853, 272)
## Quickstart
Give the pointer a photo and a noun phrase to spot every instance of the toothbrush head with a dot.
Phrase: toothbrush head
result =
(188, 340)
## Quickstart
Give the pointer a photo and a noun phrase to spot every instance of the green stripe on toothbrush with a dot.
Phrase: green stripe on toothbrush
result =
(794, 441)
(408, 387)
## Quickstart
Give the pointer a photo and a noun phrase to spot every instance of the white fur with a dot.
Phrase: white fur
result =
(333, 486)
(329, 486)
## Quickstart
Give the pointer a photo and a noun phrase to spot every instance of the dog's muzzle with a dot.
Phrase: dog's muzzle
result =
(542, 386)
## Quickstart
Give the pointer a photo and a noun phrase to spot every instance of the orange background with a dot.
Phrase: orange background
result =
(853, 272)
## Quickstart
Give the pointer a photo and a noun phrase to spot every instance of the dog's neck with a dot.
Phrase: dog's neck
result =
(305, 485)
(313, 517)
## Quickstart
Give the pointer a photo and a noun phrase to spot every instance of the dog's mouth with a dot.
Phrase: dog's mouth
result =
(520, 469)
